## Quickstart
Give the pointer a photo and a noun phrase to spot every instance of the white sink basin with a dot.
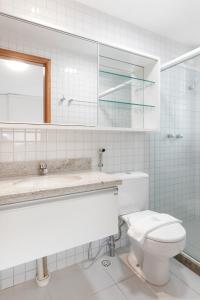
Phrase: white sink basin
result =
(47, 181)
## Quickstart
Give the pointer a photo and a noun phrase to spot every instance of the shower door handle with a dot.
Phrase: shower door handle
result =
(179, 136)
(170, 136)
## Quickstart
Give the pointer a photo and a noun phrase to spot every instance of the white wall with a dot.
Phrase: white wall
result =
(124, 151)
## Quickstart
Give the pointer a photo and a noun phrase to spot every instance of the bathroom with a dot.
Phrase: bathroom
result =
(91, 132)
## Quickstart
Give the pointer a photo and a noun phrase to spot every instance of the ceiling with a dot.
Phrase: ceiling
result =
(175, 19)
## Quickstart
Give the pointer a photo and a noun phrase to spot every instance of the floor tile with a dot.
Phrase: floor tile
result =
(68, 285)
(134, 288)
(116, 282)
(78, 283)
(111, 293)
(117, 270)
(186, 275)
(175, 290)
(97, 276)
(25, 291)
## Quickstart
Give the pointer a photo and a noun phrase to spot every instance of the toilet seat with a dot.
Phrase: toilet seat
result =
(169, 233)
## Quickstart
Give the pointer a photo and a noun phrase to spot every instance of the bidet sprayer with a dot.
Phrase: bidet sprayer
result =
(100, 164)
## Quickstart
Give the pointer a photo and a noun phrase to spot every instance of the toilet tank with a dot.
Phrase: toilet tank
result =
(133, 193)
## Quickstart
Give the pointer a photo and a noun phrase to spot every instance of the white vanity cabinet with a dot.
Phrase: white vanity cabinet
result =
(47, 226)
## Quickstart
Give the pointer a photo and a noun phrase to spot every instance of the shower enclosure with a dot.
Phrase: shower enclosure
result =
(176, 175)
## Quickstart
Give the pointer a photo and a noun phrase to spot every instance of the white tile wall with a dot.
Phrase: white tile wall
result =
(124, 151)
(79, 19)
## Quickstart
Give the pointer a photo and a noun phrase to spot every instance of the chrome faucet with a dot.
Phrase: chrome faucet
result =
(43, 168)
(100, 164)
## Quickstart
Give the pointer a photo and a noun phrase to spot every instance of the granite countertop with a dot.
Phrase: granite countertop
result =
(26, 188)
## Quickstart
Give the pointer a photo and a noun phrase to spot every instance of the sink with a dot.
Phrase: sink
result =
(46, 181)
(64, 178)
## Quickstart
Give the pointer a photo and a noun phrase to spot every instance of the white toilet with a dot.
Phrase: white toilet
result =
(150, 255)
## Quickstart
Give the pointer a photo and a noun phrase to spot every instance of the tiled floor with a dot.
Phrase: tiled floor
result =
(115, 282)
(192, 226)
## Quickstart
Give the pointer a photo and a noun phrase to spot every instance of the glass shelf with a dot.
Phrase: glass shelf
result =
(139, 80)
(125, 103)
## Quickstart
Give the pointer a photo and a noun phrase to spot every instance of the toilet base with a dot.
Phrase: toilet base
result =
(155, 270)
(136, 268)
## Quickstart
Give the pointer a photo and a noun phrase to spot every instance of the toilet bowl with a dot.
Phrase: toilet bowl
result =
(151, 259)
(150, 254)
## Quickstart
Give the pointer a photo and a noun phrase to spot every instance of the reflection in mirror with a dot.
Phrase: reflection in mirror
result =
(74, 69)
(24, 87)
(21, 91)
(75, 99)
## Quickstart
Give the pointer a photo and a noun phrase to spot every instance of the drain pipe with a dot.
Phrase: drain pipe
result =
(112, 240)
(111, 245)
(42, 276)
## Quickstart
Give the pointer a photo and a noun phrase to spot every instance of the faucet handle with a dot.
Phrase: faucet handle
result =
(43, 168)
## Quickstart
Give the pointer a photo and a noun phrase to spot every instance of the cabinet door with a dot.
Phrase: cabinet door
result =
(56, 224)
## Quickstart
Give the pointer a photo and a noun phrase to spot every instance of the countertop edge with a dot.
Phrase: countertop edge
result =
(42, 194)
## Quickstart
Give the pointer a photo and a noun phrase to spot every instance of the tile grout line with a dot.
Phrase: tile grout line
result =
(184, 282)
(101, 290)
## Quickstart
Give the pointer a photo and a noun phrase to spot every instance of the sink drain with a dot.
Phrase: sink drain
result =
(106, 263)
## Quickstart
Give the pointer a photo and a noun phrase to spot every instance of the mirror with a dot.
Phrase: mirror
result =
(24, 88)
(47, 75)
(74, 76)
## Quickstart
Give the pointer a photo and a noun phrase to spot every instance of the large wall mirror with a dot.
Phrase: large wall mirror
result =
(50, 76)
(25, 92)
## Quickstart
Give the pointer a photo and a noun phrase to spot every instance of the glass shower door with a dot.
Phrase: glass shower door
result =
(176, 175)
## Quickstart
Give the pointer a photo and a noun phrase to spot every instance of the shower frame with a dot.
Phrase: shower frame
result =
(184, 258)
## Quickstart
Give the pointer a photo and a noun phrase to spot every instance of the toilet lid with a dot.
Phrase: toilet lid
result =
(168, 234)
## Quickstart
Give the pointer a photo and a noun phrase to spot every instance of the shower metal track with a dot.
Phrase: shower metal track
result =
(189, 262)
